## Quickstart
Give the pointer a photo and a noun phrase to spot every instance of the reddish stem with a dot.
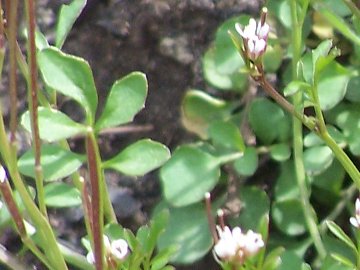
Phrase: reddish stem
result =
(95, 217)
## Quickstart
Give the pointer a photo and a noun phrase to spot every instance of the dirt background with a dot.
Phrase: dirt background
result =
(165, 39)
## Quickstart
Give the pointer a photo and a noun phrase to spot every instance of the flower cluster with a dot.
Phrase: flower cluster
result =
(355, 221)
(255, 36)
(235, 246)
(115, 250)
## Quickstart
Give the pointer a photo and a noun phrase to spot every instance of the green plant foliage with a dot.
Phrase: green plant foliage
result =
(67, 17)
(274, 128)
(70, 76)
(227, 59)
(332, 85)
(5, 217)
(273, 58)
(347, 118)
(286, 187)
(188, 175)
(331, 179)
(289, 260)
(236, 81)
(199, 110)
(280, 152)
(254, 206)
(248, 163)
(311, 139)
(338, 250)
(341, 235)
(188, 230)
(336, 21)
(57, 163)
(139, 158)
(60, 195)
(126, 98)
(226, 134)
(288, 217)
(353, 93)
(53, 125)
(317, 159)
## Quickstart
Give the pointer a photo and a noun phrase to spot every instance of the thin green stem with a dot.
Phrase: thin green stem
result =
(346, 196)
(343, 158)
(298, 137)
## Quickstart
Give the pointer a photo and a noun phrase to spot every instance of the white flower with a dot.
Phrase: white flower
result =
(255, 36)
(2, 174)
(90, 257)
(252, 243)
(355, 221)
(119, 249)
(235, 246)
(227, 246)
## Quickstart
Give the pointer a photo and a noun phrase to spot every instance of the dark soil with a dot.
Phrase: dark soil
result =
(165, 39)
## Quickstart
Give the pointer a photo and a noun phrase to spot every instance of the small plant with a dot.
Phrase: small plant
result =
(50, 161)
(296, 41)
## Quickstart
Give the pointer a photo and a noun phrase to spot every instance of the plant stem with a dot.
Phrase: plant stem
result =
(33, 101)
(11, 8)
(97, 218)
(298, 137)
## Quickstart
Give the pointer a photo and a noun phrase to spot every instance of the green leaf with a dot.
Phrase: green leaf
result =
(157, 226)
(331, 179)
(162, 258)
(317, 159)
(139, 158)
(289, 217)
(126, 98)
(267, 128)
(342, 250)
(70, 76)
(341, 235)
(273, 260)
(188, 175)
(188, 229)
(226, 134)
(255, 205)
(332, 85)
(236, 81)
(273, 58)
(57, 163)
(248, 163)
(53, 125)
(337, 22)
(353, 93)
(289, 260)
(286, 187)
(67, 17)
(227, 57)
(343, 260)
(312, 139)
(294, 86)
(280, 152)
(60, 195)
(347, 117)
(40, 40)
(200, 109)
